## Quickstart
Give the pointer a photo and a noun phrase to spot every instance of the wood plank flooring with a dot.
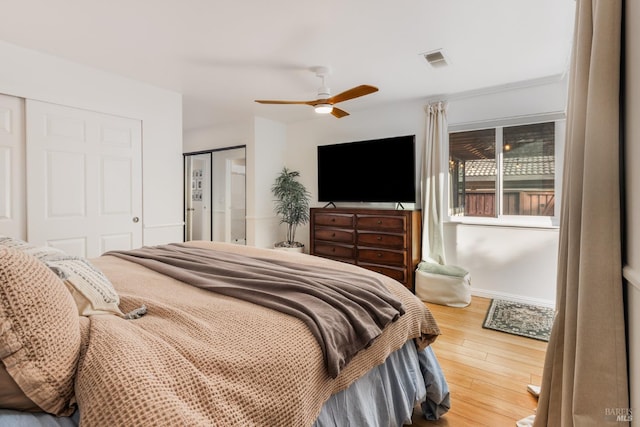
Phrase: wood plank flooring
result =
(487, 371)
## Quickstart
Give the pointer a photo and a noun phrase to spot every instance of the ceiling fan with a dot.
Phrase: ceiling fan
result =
(325, 103)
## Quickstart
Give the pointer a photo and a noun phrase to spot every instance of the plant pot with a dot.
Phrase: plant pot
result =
(283, 246)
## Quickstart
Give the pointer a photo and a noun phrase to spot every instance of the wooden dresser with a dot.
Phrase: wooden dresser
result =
(384, 240)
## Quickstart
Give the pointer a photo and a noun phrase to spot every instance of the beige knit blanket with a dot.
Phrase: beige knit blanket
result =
(344, 310)
(200, 359)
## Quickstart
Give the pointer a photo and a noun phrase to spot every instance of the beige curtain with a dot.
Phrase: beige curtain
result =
(585, 373)
(432, 183)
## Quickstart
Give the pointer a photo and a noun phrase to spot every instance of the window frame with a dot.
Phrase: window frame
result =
(528, 221)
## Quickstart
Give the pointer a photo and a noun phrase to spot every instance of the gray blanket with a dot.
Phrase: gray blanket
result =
(344, 311)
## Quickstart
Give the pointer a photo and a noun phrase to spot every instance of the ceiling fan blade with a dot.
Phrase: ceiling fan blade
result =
(355, 92)
(267, 101)
(338, 113)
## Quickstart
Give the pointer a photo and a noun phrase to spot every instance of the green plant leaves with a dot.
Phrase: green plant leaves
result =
(292, 201)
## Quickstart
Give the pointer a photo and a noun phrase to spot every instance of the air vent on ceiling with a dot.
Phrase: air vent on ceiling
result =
(435, 58)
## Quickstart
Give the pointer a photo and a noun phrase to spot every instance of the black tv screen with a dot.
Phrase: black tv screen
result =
(378, 170)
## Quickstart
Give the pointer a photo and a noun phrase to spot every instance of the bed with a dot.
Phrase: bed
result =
(144, 346)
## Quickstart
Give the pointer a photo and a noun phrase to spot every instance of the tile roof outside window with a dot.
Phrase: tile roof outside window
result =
(516, 166)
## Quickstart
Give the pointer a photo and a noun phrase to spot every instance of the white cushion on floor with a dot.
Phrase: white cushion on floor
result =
(453, 291)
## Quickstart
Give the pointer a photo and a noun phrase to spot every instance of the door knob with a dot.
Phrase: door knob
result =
(136, 219)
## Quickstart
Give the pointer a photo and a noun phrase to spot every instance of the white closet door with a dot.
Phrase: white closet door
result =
(12, 178)
(84, 179)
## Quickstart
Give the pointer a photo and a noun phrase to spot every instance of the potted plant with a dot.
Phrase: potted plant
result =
(292, 205)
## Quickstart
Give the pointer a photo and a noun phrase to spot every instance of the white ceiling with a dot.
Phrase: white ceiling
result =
(222, 55)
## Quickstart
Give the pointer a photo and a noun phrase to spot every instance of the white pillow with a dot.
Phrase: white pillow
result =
(90, 288)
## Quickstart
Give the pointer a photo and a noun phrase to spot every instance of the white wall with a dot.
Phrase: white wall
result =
(230, 135)
(547, 95)
(33, 75)
(632, 157)
(513, 263)
(266, 160)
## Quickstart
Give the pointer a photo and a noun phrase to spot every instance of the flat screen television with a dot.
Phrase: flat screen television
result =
(377, 170)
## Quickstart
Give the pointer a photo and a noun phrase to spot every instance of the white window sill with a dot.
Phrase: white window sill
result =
(510, 221)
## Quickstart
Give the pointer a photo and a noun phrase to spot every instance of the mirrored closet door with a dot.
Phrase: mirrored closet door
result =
(215, 197)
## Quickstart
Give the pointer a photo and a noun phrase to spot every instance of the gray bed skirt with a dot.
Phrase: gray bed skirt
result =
(384, 397)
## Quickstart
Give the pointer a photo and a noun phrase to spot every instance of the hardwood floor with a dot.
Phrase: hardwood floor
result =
(487, 371)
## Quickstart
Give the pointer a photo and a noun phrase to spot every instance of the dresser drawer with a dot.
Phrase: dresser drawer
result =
(334, 251)
(383, 240)
(381, 256)
(399, 274)
(382, 223)
(334, 220)
(335, 235)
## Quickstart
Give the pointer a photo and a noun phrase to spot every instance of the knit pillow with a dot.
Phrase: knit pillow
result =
(12, 396)
(39, 331)
(90, 288)
(10, 242)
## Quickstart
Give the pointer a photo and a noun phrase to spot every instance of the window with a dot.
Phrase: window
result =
(505, 171)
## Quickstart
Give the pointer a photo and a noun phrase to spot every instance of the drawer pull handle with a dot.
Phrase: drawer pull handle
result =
(333, 249)
(333, 234)
(333, 220)
(379, 238)
(379, 255)
(379, 221)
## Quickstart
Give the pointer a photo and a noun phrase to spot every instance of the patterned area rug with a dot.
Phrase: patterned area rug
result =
(520, 319)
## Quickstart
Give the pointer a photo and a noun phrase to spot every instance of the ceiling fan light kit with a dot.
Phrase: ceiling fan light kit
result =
(325, 102)
(324, 108)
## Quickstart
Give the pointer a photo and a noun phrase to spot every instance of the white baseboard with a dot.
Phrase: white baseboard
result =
(632, 277)
(512, 297)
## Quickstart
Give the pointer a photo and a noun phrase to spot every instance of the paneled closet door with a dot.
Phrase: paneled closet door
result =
(84, 179)
(12, 181)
